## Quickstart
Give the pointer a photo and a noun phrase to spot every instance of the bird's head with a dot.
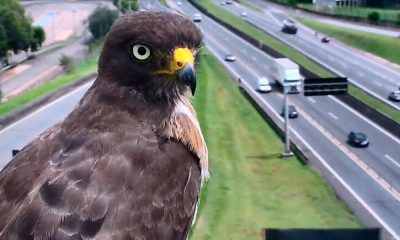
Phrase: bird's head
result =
(153, 53)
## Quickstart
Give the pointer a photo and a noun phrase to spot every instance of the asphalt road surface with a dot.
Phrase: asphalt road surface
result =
(55, 18)
(323, 125)
(369, 73)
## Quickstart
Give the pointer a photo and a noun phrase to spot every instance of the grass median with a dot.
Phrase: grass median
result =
(82, 69)
(293, 54)
(385, 14)
(251, 188)
(383, 46)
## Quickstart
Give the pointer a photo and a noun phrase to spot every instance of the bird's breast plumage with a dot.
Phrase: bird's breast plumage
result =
(183, 126)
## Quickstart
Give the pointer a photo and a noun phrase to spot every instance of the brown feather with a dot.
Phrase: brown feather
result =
(110, 170)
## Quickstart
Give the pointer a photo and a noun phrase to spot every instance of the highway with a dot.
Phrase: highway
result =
(54, 18)
(365, 71)
(323, 126)
(20, 133)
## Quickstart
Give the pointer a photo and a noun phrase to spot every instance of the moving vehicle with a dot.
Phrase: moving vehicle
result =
(292, 111)
(179, 3)
(197, 17)
(263, 85)
(358, 139)
(289, 27)
(229, 2)
(284, 71)
(394, 96)
(325, 39)
(230, 57)
(243, 14)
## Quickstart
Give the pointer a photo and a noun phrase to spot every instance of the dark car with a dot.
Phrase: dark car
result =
(394, 96)
(358, 139)
(229, 2)
(292, 112)
(325, 39)
(289, 27)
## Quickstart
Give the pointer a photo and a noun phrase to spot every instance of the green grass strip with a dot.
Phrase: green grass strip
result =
(385, 14)
(81, 70)
(250, 5)
(293, 54)
(251, 188)
(383, 46)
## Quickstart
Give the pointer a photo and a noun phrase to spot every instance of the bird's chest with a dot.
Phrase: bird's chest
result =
(184, 127)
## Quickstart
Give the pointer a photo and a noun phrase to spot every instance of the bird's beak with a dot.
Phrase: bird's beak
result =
(182, 65)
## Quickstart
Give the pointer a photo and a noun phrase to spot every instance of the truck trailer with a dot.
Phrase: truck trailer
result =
(285, 71)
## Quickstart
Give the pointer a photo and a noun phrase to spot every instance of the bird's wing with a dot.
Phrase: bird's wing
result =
(108, 186)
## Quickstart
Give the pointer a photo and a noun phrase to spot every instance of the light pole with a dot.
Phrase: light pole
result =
(286, 151)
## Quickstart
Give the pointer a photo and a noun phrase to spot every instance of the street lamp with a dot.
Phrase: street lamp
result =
(286, 151)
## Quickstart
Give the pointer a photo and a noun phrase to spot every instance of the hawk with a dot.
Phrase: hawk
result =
(129, 161)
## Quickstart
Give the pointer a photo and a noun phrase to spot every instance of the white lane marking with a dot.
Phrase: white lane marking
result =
(334, 173)
(377, 83)
(392, 160)
(360, 74)
(311, 99)
(342, 104)
(343, 65)
(45, 107)
(327, 66)
(322, 160)
(367, 169)
(332, 115)
(366, 119)
(244, 64)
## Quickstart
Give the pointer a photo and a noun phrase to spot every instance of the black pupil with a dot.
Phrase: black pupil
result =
(141, 50)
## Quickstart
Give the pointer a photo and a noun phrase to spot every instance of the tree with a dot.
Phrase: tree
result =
(17, 28)
(39, 35)
(3, 42)
(125, 5)
(101, 21)
(293, 3)
(374, 17)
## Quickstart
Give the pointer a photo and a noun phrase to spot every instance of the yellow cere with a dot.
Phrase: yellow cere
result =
(182, 56)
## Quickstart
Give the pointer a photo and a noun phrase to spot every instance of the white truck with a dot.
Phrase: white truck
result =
(284, 71)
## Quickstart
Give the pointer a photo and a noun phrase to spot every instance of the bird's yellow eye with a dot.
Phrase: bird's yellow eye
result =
(141, 52)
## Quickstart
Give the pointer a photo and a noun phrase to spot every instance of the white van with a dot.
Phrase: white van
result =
(263, 85)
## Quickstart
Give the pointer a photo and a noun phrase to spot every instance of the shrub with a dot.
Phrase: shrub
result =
(293, 3)
(373, 17)
(126, 5)
(66, 63)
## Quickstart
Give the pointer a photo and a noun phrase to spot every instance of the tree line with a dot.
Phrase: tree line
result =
(16, 30)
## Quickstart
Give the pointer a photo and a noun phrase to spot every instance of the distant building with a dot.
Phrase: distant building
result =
(330, 5)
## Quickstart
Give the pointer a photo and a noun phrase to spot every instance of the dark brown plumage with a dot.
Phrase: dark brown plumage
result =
(129, 160)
